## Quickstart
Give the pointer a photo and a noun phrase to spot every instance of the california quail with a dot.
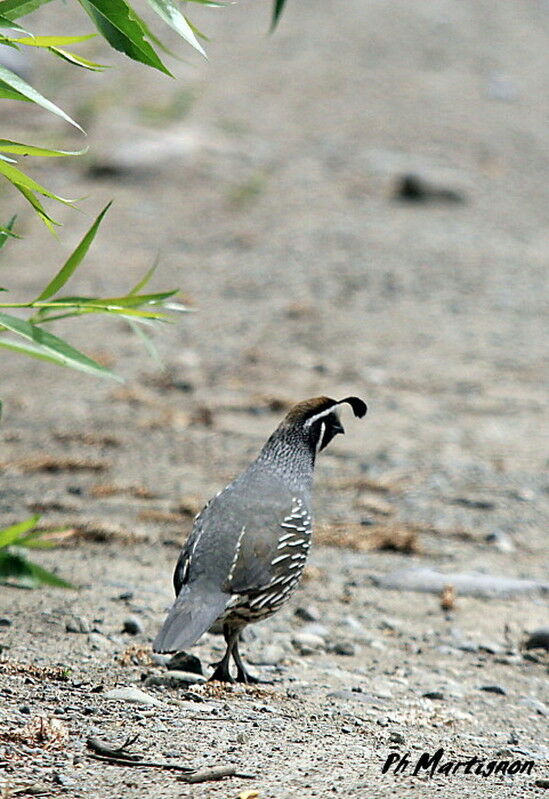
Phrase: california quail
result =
(248, 546)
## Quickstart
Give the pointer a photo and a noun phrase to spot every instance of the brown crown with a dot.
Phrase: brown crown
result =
(311, 407)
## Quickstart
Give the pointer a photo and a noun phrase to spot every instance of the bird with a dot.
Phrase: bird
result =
(248, 546)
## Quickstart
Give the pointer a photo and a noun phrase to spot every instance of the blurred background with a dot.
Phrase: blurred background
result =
(357, 203)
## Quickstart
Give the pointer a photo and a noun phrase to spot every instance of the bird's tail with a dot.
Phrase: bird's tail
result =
(192, 613)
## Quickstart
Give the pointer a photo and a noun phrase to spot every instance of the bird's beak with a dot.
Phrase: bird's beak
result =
(338, 428)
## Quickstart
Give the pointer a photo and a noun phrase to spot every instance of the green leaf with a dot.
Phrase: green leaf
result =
(74, 260)
(6, 22)
(7, 93)
(9, 535)
(38, 207)
(18, 178)
(53, 346)
(8, 146)
(172, 16)
(53, 41)
(278, 5)
(15, 569)
(145, 279)
(13, 9)
(7, 231)
(147, 341)
(123, 29)
(77, 60)
(20, 86)
(197, 32)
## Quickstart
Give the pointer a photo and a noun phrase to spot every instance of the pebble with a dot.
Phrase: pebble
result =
(315, 629)
(494, 689)
(433, 695)
(133, 625)
(5, 622)
(307, 643)
(270, 655)
(174, 679)
(535, 704)
(501, 541)
(183, 661)
(346, 648)
(357, 696)
(78, 624)
(309, 613)
(428, 580)
(132, 695)
(538, 639)
(396, 738)
(99, 642)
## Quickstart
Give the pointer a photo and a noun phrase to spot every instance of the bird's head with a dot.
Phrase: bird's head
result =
(317, 419)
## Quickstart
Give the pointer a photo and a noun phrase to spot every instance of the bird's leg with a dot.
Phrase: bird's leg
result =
(241, 674)
(222, 672)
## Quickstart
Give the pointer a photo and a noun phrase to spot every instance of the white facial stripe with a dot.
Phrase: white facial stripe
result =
(321, 436)
(312, 419)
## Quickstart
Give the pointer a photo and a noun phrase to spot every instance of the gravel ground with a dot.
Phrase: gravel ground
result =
(267, 181)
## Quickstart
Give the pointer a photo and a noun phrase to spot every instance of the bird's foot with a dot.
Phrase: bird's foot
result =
(222, 674)
(245, 677)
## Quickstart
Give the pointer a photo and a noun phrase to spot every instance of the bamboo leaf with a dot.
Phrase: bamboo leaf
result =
(172, 16)
(13, 9)
(17, 84)
(18, 178)
(74, 260)
(6, 22)
(9, 535)
(54, 346)
(53, 41)
(38, 207)
(15, 569)
(278, 6)
(7, 231)
(8, 146)
(77, 60)
(124, 30)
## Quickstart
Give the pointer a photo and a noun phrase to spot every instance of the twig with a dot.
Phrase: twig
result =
(118, 752)
(120, 761)
(214, 773)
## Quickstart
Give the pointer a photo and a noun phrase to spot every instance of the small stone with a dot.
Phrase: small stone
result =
(78, 624)
(307, 643)
(60, 779)
(99, 642)
(5, 622)
(132, 695)
(174, 679)
(183, 661)
(270, 655)
(542, 783)
(433, 695)
(315, 629)
(133, 626)
(493, 689)
(501, 541)
(535, 704)
(538, 639)
(24, 709)
(513, 739)
(346, 648)
(396, 738)
(309, 613)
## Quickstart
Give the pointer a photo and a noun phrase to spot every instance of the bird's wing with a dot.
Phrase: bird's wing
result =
(264, 548)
